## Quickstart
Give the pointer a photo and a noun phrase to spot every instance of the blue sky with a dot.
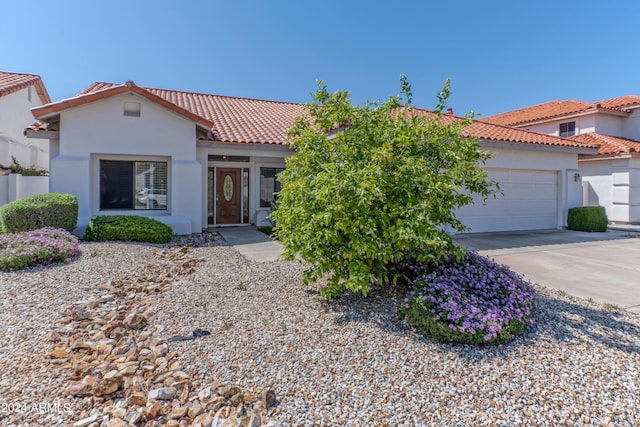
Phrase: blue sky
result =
(500, 55)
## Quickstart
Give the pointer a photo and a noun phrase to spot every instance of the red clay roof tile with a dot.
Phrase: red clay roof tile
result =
(609, 144)
(556, 109)
(13, 82)
(491, 132)
(247, 120)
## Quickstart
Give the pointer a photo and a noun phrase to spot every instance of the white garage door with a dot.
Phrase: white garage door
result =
(530, 202)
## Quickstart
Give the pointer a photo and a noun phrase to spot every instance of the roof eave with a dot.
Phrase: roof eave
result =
(538, 147)
(45, 112)
(610, 156)
(607, 111)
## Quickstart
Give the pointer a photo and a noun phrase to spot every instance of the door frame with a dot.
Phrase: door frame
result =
(245, 175)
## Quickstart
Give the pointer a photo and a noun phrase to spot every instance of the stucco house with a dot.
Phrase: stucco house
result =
(19, 93)
(611, 177)
(195, 160)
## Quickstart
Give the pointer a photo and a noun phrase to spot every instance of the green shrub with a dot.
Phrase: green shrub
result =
(56, 210)
(17, 168)
(368, 185)
(587, 218)
(37, 247)
(128, 228)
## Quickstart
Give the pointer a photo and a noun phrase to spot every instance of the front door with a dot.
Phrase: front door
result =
(228, 196)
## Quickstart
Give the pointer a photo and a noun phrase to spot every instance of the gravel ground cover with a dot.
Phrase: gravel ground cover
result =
(344, 362)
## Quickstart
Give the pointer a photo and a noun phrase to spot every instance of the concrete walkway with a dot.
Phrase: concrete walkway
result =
(251, 243)
(603, 266)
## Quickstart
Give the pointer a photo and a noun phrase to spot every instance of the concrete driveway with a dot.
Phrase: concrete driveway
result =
(602, 266)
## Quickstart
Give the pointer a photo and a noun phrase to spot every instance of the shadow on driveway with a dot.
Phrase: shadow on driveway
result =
(525, 239)
(602, 266)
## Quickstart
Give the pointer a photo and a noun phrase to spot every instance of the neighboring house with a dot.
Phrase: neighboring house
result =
(194, 160)
(18, 94)
(612, 177)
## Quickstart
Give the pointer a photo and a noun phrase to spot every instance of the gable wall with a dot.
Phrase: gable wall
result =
(609, 125)
(100, 130)
(15, 116)
(631, 125)
(584, 124)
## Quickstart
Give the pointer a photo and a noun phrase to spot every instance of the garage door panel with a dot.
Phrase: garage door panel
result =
(528, 202)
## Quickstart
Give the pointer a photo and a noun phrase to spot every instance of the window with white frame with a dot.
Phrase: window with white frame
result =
(567, 129)
(126, 184)
(268, 186)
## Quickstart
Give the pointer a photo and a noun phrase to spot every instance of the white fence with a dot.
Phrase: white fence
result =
(15, 186)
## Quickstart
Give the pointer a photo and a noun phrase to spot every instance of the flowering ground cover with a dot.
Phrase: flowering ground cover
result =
(38, 247)
(473, 300)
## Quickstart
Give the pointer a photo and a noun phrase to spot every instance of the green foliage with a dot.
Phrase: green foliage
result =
(37, 247)
(17, 168)
(587, 218)
(128, 228)
(57, 210)
(369, 185)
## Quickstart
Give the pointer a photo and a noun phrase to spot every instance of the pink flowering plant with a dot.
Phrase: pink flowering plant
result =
(471, 300)
(37, 247)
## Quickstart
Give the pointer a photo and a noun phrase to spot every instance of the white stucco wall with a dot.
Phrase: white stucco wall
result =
(609, 125)
(100, 130)
(614, 184)
(15, 186)
(15, 116)
(631, 125)
(542, 158)
(584, 124)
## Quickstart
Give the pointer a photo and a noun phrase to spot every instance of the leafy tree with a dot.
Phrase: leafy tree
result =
(370, 185)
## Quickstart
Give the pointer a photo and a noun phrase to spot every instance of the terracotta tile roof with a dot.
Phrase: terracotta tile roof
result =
(231, 119)
(538, 112)
(556, 109)
(609, 144)
(246, 120)
(621, 102)
(13, 82)
(107, 91)
(492, 132)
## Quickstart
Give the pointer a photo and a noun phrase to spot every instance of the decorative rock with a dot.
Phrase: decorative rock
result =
(195, 410)
(204, 394)
(229, 391)
(204, 420)
(77, 389)
(59, 354)
(178, 412)
(180, 375)
(152, 411)
(138, 398)
(116, 422)
(236, 399)
(231, 422)
(134, 321)
(164, 393)
(268, 399)
(85, 421)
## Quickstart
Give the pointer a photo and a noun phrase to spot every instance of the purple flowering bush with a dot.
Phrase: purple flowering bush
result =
(473, 300)
(37, 247)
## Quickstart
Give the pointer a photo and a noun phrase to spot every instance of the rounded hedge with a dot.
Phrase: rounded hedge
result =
(56, 210)
(473, 300)
(587, 218)
(128, 228)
